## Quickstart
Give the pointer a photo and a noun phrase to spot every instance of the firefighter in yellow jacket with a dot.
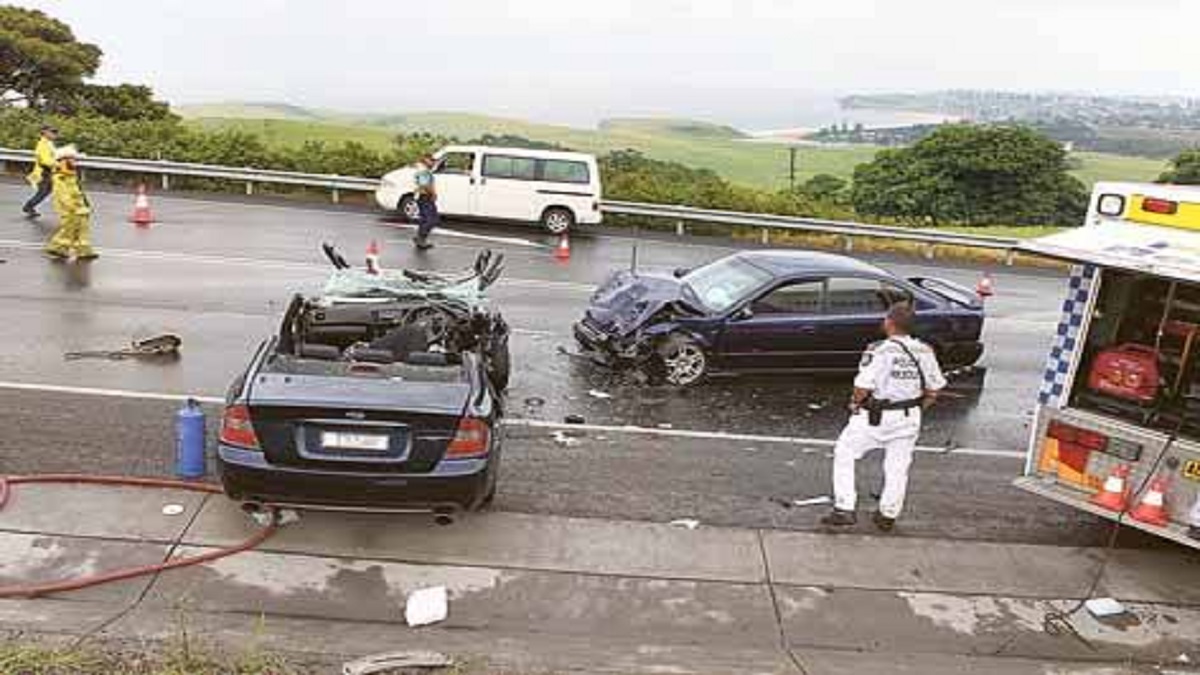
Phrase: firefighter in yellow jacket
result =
(74, 212)
(42, 176)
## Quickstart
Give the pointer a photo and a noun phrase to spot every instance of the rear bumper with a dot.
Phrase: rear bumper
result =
(459, 485)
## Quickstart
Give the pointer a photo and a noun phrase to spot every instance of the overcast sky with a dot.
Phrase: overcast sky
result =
(745, 61)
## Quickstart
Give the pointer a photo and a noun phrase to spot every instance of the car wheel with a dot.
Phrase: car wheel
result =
(558, 220)
(684, 362)
(409, 209)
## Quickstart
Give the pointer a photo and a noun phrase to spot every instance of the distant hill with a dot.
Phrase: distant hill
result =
(722, 149)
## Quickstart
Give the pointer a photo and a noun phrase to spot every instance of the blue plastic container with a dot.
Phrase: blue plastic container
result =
(189, 440)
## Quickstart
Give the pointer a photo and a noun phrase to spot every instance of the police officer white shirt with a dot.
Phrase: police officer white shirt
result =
(892, 375)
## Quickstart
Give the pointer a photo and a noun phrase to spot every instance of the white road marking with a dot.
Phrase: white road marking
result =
(750, 438)
(525, 422)
(263, 263)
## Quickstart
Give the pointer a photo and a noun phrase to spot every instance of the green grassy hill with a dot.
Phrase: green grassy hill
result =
(722, 149)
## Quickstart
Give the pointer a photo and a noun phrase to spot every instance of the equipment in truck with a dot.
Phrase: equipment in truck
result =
(1117, 426)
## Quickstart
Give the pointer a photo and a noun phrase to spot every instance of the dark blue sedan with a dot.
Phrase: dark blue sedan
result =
(770, 311)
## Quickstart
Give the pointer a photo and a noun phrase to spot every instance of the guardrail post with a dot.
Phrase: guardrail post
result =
(249, 188)
(680, 230)
(927, 250)
(847, 243)
(766, 236)
(166, 182)
(1010, 256)
(337, 198)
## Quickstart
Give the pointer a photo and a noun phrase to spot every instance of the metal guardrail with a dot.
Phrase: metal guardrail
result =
(680, 214)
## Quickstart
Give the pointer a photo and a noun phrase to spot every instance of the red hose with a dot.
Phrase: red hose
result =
(60, 586)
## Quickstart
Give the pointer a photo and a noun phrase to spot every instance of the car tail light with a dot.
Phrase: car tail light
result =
(1164, 206)
(471, 440)
(237, 429)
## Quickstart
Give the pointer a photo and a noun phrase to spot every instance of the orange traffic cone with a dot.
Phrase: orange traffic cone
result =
(141, 207)
(986, 287)
(563, 252)
(1153, 507)
(1114, 495)
(373, 266)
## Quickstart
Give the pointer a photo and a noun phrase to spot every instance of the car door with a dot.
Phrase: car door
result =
(507, 188)
(776, 330)
(853, 317)
(455, 183)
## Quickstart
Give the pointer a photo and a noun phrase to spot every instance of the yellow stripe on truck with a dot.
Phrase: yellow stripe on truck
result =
(1186, 216)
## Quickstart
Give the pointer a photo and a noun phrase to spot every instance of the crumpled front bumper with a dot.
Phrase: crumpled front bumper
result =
(607, 347)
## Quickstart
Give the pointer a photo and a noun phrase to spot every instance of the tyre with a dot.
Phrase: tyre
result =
(683, 361)
(408, 209)
(558, 220)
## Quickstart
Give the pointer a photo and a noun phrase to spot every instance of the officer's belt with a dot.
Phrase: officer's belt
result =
(898, 405)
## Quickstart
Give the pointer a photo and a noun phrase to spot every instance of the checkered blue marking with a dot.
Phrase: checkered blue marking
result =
(1066, 336)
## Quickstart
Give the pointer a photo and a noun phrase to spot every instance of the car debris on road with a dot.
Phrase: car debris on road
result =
(157, 346)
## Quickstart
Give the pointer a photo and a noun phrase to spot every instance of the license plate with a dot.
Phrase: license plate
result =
(341, 440)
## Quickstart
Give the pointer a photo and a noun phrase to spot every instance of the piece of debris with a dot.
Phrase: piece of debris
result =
(574, 419)
(167, 344)
(426, 606)
(288, 516)
(812, 501)
(666, 425)
(596, 393)
(689, 523)
(817, 406)
(1183, 658)
(561, 438)
(172, 509)
(1102, 608)
(262, 517)
(534, 402)
(378, 663)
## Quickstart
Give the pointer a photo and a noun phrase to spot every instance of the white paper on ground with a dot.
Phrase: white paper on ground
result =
(426, 606)
(1102, 607)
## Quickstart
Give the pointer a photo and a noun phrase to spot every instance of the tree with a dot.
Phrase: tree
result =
(977, 175)
(1185, 169)
(40, 59)
(823, 187)
(119, 102)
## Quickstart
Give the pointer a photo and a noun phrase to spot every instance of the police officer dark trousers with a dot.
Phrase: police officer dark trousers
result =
(897, 378)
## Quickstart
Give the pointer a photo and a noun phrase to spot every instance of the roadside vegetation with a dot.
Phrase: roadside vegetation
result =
(976, 176)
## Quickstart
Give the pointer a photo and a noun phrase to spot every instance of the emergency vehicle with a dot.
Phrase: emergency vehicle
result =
(1116, 430)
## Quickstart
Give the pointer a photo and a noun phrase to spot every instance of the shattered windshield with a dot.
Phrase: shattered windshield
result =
(353, 283)
(724, 283)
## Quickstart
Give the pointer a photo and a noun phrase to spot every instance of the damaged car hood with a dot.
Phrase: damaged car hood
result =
(628, 300)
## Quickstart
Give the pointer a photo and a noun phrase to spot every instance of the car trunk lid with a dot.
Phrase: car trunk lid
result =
(341, 416)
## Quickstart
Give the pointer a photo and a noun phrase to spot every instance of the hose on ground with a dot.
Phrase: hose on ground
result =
(77, 583)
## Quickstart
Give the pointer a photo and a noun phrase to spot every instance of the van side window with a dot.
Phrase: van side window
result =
(564, 171)
(503, 166)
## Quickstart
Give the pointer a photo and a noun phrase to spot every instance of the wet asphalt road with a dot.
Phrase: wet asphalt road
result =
(219, 274)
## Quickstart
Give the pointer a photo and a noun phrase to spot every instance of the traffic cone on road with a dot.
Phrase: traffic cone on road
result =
(1152, 509)
(141, 207)
(1114, 494)
(373, 266)
(985, 288)
(562, 252)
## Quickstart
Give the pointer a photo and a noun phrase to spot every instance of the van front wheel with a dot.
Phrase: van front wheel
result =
(558, 220)
(409, 209)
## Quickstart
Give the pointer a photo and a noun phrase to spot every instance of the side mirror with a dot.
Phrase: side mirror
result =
(680, 272)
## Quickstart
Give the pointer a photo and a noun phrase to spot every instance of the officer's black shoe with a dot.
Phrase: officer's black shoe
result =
(1194, 532)
(884, 523)
(839, 518)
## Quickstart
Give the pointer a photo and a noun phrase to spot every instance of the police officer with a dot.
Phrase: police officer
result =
(897, 378)
(426, 202)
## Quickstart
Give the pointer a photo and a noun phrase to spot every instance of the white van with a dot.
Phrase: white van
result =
(556, 189)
